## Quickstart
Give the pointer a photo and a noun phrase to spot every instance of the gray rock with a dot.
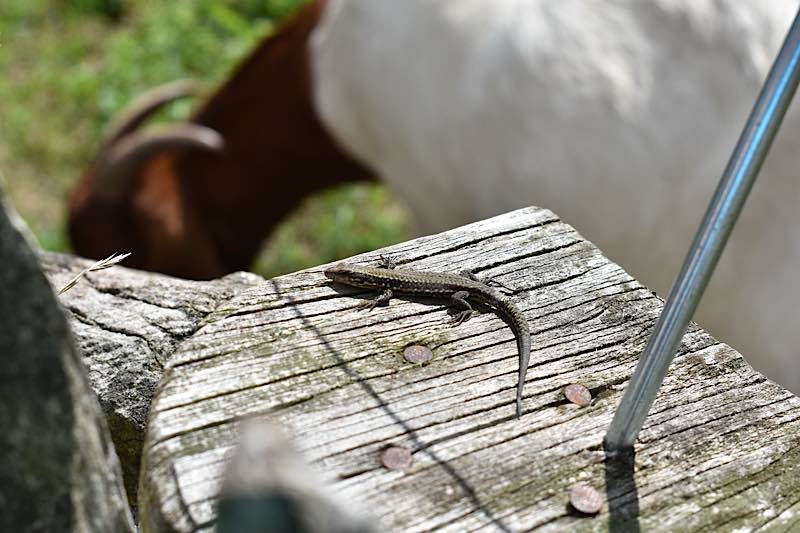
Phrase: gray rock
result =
(126, 324)
(59, 470)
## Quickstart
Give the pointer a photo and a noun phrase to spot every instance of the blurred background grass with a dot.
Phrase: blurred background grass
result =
(69, 65)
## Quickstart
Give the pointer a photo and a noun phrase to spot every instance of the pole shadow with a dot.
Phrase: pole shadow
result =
(621, 492)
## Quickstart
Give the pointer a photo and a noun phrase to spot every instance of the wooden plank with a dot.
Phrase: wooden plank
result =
(717, 449)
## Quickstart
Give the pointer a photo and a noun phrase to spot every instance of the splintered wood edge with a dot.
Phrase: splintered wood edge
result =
(718, 448)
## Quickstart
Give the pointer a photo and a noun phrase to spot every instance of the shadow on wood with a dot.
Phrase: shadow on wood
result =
(621, 492)
(418, 445)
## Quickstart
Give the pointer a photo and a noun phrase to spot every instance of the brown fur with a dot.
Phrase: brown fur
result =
(200, 215)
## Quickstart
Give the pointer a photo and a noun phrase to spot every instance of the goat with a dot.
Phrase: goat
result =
(617, 115)
(196, 199)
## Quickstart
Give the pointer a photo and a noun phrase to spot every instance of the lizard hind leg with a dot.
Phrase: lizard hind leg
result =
(459, 300)
(469, 274)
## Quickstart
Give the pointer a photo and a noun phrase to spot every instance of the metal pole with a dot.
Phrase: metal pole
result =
(724, 209)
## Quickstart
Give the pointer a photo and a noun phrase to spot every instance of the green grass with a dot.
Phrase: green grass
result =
(68, 67)
(313, 236)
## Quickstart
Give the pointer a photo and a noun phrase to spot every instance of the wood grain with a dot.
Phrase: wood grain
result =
(718, 449)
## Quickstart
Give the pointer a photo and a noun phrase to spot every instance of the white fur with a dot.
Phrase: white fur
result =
(617, 115)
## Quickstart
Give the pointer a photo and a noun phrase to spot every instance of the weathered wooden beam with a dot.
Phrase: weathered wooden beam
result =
(717, 450)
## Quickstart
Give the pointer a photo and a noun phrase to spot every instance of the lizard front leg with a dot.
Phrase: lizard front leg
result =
(382, 299)
(387, 262)
(459, 300)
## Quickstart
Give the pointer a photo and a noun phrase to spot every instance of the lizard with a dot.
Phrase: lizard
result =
(459, 288)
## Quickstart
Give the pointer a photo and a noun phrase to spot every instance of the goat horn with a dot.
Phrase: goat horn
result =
(119, 165)
(143, 107)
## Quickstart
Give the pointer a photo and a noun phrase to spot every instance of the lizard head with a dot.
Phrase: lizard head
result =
(353, 275)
